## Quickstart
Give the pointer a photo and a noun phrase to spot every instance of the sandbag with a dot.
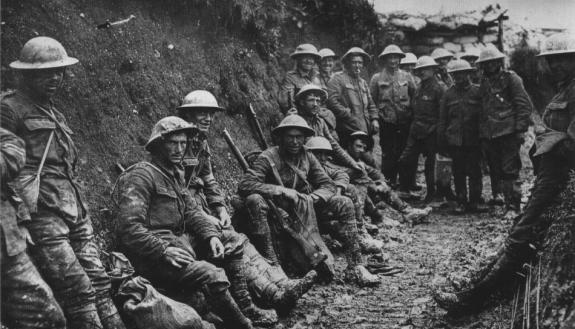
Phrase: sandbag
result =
(149, 309)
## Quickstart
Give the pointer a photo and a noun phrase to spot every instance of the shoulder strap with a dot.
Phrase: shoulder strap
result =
(274, 169)
(46, 149)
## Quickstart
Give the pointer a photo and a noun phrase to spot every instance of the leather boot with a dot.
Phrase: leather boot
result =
(265, 246)
(225, 307)
(473, 300)
(108, 313)
(287, 296)
(239, 290)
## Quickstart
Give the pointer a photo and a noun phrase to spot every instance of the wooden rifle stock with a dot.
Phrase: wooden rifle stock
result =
(259, 131)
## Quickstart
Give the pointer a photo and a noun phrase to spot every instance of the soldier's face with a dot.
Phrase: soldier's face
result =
(491, 67)
(322, 156)
(305, 62)
(471, 60)
(311, 103)
(561, 66)
(355, 65)
(292, 141)
(425, 73)
(200, 117)
(327, 64)
(357, 148)
(443, 61)
(44, 83)
(174, 147)
(407, 67)
(392, 61)
(460, 78)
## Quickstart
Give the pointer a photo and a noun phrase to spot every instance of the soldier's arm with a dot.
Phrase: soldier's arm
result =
(132, 200)
(334, 89)
(254, 180)
(339, 176)
(442, 124)
(8, 118)
(371, 108)
(212, 190)
(339, 154)
(373, 86)
(373, 173)
(13, 156)
(324, 187)
(196, 221)
(521, 104)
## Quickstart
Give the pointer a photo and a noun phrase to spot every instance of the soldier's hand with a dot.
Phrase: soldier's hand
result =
(374, 127)
(225, 219)
(214, 220)
(178, 257)
(290, 193)
(217, 248)
(26, 234)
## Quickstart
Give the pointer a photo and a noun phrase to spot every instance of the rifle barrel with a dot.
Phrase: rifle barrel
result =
(242, 161)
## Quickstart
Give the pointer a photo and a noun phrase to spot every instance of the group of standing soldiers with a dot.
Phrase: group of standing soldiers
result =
(173, 223)
(469, 109)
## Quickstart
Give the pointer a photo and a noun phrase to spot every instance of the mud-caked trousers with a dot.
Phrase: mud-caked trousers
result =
(410, 156)
(393, 140)
(27, 301)
(504, 166)
(467, 165)
(69, 261)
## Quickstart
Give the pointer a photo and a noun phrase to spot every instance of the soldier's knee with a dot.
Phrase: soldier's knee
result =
(206, 275)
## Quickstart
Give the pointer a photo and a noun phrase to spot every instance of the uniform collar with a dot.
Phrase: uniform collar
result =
(308, 75)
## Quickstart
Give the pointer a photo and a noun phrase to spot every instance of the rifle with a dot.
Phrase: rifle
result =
(259, 131)
(283, 221)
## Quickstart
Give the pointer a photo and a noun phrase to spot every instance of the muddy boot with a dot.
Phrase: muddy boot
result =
(225, 307)
(286, 298)
(368, 244)
(108, 313)
(265, 246)
(415, 215)
(360, 275)
(472, 300)
(460, 209)
(239, 290)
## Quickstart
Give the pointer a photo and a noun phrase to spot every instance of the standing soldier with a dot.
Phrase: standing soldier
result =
(350, 99)
(407, 64)
(305, 57)
(292, 177)
(505, 118)
(27, 301)
(392, 90)
(65, 252)
(442, 57)
(422, 134)
(458, 134)
(556, 153)
(326, 64)
(471, 55)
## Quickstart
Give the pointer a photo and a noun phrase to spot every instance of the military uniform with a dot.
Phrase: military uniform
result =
(506, 110)
(324, 79)
(422, 134)
(458, 135)
(65, 252)
(27, 301)
(291, 84)
(350, 100)
(392, 93)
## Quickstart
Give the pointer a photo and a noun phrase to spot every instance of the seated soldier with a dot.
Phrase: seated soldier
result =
(375, 182)
(199, 108)
(321, 148)
(293, 179)
(160, 223)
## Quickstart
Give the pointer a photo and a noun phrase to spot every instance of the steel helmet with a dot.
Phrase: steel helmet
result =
(356, 51)
(391, 50)
(490, 53)
(293, 121)
(471, 52)
(326, 52)
(438, 53)
(459, 65)
(306, 49)
(318, 143)
(42, 53)
(363, 136)
(167, 126)
(409, 58)
(200, 99)
(559, 44)
(311, 88)
(424, 62)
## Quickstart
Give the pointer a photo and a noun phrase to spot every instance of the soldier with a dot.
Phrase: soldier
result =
(199, 108)
(506, 111)
(322, 149)
(392, 90)
(27, 301)
(408, 62)
(350, 99)
(442, 57)
(159, 222)
(326, 64)
(556, 153)
(471, 55)
(375, 183)
(65, 252)
(306, 57)
(458, 134)
(293, 178)
(422, 133)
